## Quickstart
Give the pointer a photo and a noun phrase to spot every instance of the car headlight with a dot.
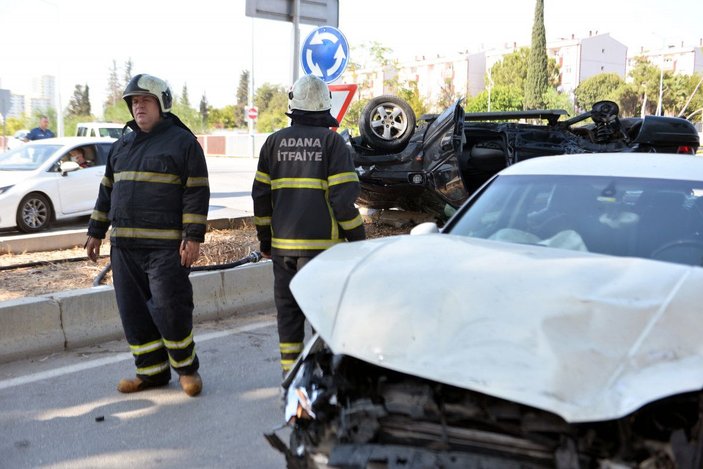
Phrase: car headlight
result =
(5, 189)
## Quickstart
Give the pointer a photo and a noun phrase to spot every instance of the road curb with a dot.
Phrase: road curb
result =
(66, 320)
(67, 239)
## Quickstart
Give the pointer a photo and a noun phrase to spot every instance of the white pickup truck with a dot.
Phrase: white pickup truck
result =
(100, 129)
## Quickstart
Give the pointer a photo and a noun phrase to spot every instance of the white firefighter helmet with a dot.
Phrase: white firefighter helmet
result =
(309, 93)
(144, 84)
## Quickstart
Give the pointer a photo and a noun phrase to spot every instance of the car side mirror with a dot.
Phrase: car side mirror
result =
(68, 166)
(428, 227)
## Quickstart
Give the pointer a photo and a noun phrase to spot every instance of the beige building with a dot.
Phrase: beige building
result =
(579, 59)
(465, 74)
(680, 59)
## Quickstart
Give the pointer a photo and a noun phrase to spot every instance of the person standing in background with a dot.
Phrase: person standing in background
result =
(38, 133)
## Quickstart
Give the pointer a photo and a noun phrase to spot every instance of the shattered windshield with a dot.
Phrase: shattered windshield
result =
(649, 218)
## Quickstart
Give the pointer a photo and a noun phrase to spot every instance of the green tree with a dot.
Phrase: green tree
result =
(79, 104)
(694, 101)
(13, 124)
(204, 111)
(350, 121)
(222, 118)
(447, 94)
(127, 75)
(114, 90)
(117, 113)
(628, 100)
(375, 55)
(272, 101)
(243, 88)
(512, 70)
(678, 90)
(556, 100)
(264, 96)
(85, 100)
(536, 81)
(184, 99)
(645, 80)
(597, 88)
(411, 94)
(503, 98)
(189, 116)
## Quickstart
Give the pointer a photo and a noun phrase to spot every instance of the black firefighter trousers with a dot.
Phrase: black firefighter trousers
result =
(155, 300)
(290, 318)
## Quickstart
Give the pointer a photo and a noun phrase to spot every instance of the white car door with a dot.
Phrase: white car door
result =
(78, 189)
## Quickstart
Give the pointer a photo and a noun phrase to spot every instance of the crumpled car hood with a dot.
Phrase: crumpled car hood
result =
(585, 336)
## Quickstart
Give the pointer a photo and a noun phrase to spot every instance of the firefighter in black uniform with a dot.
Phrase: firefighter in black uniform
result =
(155, 194)
(304, 193)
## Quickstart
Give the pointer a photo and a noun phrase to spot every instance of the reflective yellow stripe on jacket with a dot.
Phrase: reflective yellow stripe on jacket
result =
(99, 216)
(314, 244)
(151, 233)
(143, 176)
(341, 178)
(262, 221)
(298, 183)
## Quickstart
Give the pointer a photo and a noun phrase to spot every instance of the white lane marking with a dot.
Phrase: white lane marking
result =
(64, 370)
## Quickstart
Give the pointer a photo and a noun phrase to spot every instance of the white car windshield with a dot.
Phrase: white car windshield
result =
(640, 217)
(27, 157)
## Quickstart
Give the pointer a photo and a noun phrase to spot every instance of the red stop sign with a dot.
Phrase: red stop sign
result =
(252, 113)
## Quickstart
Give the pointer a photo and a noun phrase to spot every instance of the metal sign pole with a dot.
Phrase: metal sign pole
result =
(251, 94)
(296, 39)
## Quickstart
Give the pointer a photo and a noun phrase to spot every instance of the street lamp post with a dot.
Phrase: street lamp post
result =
(661, 84)
(661, 72)
(57, 81)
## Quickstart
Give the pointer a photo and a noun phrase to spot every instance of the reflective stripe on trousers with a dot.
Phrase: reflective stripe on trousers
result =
(290, 318)
(155, 300)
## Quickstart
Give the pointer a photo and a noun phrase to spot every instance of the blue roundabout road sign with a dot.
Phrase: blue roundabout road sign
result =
(325, 53)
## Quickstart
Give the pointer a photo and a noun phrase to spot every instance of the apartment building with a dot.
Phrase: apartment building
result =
(582, 58)
(678, 59)
(465, 74)
(41, 98)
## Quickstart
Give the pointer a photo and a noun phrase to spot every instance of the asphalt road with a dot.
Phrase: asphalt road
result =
(63, 411)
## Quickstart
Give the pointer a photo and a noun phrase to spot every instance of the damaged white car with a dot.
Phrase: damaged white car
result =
(554, 322)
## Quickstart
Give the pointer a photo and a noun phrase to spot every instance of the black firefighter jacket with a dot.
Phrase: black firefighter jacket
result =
(155, 191)
(304, 192)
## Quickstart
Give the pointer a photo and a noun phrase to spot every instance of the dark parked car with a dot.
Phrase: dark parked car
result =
(554, 322)
(433, 167)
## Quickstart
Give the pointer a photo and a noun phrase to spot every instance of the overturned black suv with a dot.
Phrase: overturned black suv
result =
(434, 166)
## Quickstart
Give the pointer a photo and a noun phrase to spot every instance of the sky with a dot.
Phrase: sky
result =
(206, 45)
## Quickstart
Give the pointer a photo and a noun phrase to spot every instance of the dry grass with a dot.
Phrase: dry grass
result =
(220, 247)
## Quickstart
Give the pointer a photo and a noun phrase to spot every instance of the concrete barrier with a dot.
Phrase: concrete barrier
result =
(30, 326)
(67, 320)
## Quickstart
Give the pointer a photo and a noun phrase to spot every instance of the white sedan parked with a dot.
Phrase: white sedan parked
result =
(39, 182)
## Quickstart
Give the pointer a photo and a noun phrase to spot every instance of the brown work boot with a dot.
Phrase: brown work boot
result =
(191, 384)
(136, 385)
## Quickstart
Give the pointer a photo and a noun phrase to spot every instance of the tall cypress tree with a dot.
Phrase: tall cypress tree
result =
(114, 90)
(85, 100)
(536, 82)
(243, 88)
